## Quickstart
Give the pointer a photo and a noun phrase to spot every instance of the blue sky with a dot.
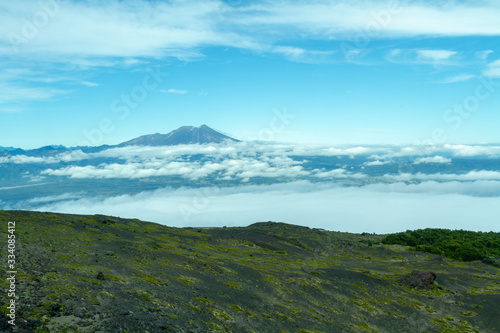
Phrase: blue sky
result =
(84, 72)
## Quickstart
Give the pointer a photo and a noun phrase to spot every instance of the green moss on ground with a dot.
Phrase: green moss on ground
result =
(106, 274)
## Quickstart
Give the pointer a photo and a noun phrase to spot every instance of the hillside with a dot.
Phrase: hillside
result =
(106, 274)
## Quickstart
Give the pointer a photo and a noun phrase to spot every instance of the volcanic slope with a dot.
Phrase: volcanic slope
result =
(182, 135)
(107, 274)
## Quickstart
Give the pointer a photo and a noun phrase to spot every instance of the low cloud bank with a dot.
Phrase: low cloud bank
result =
(253, 149)
(434, 159)
(380, 208)
(469, 176)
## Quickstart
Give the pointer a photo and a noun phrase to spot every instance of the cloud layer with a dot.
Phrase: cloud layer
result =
(378, 208)
(75, 31)
(428, 186)
(249, 148)
(41, 37)
(246, 160)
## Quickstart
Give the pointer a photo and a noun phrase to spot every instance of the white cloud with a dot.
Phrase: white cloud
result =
(266, 152)
(118, 29)
(130, 170)
(338, 173)
(385, 208)
(22, 186)
(459, 78)
(90, 84)
(484, 54)
(376, 163)
(470, 176)
(55, 198)
(16, 93)
(84, 34)
(458, 150)
(89, 32)
(472, 150)
(393, 19)
(468, 200)
(71, 156)
(346, 151)
(436, 55)
(493, 69)
(243, 168)
(23, 159)
(425, 57)
(245, 160)
(298, 54)
(18, 83)
(177, 91)
(434, 159)
(246, 148)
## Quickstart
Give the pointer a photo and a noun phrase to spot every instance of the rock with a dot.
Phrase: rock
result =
(419, 279)
(126, 313)
(100, 276)
(80, 312)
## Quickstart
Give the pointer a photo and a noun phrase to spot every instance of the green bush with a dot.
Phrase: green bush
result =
(456, 244)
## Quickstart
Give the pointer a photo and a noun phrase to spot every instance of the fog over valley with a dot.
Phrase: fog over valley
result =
(369, 188)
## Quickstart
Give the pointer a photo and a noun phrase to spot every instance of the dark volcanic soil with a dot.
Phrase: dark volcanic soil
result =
(106, 274)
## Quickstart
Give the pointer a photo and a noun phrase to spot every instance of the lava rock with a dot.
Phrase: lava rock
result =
(80, 312)
(419, 279)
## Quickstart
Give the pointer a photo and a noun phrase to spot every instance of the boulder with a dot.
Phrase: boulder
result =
(81, 312)
(419, 279)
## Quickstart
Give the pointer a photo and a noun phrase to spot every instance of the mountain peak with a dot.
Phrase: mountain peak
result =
(182, 135)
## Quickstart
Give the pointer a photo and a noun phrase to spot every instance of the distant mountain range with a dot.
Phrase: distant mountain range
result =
(7, 148)
(180, 136)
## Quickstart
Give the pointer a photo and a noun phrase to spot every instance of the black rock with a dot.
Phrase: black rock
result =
(419, 279)
(80, 312)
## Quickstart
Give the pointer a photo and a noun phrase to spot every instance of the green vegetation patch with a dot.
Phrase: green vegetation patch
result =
(234, 285)
(456, 244)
